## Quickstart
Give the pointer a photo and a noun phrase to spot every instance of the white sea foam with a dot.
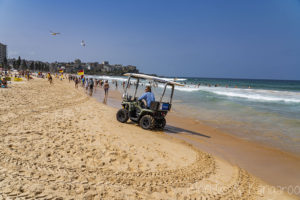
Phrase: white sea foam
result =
(174, 79)
(124, 78)
(115, 78)
(261, 96)
(188, 89)
(251, 94)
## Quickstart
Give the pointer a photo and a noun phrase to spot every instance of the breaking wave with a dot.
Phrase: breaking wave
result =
(251, 94)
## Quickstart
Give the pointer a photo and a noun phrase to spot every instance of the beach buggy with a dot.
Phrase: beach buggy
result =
(147, 117)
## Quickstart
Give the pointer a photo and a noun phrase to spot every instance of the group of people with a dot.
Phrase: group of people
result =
(90, 84)
(7, 76)
(3, 82)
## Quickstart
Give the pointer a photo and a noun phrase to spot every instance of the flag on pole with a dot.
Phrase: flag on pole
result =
(80, 72)
(61, 71)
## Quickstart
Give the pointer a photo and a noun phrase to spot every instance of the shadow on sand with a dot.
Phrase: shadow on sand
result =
(174, 130)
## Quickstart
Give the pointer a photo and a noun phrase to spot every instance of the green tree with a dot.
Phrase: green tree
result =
(24, 65)
(34, 66)
(14, 64)
(31, 67)
(18, 64)
(39, 66)
(5, 63)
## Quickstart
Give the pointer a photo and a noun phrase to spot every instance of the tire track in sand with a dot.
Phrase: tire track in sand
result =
(33, 178)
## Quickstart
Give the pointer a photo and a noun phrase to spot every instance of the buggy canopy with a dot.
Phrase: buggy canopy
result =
(153, 78)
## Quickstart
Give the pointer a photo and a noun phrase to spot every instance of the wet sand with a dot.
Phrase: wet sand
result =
(278, 168)
(271, 165)
(58, 143)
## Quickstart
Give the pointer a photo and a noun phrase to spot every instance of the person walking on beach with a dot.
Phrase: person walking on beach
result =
(76, 82)
(105, 87)
(28, 76)
(86, 84)
(50, 78)
(91, 86)
(82, 81)
(95, 84)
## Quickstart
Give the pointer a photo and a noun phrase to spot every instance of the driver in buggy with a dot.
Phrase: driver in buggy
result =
(148, 96)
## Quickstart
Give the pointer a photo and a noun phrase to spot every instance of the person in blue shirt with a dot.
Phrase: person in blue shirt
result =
(148, 96)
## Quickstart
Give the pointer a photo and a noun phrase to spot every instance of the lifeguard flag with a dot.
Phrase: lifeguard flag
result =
(61, 71)
(80, 72)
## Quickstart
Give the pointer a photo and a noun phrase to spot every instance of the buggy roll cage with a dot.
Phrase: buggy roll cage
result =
(152, 78)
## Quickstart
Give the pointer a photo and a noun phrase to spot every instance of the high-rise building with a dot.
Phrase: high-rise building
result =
(2, 52)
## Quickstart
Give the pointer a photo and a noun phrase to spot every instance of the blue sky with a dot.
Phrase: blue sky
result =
(232, 38)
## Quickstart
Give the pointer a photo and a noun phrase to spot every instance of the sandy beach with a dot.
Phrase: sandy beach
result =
(253, 156)
(58, 143)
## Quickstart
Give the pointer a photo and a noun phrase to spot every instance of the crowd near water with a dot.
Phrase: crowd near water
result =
(266, 111)
(262, 110)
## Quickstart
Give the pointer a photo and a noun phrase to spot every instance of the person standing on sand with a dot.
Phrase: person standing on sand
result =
(105, 87)
(4, 83)
(28, 76)
(50, 78)
(95, 84)
(82, 81)
(86, 84)
(91, 86)
(76, 82)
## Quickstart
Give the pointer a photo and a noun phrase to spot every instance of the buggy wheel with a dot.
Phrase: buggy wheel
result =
(147, 122)
(161, 123)
(122, 115)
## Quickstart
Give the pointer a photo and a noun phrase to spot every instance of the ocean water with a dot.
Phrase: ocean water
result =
(266, 111)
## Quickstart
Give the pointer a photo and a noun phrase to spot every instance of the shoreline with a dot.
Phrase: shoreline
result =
(272, 165)
(268, 116)
(70, 145)
(252, 156)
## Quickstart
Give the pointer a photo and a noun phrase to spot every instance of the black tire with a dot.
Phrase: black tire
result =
(122, 115)
(161, 123)
(147, 122)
